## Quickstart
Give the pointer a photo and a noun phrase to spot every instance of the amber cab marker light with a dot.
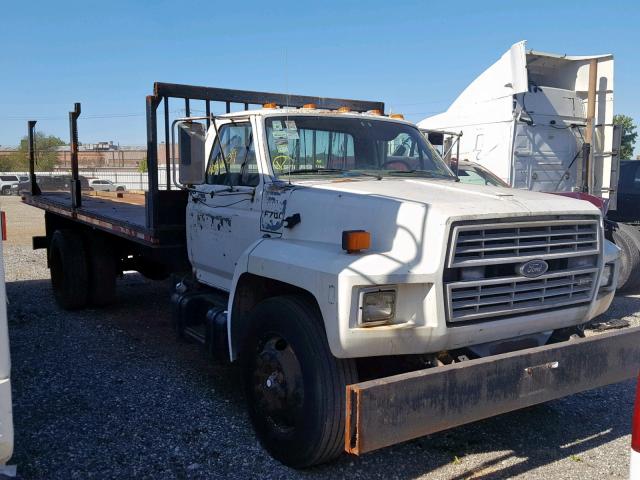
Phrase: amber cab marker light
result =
(355, 240)
(310, 106)
(269, 105)
(344, 110)
(399, 116)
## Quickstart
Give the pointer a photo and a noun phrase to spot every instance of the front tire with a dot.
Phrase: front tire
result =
(295, 387)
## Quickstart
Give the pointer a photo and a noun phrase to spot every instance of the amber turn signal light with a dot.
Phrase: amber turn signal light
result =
(355, 240)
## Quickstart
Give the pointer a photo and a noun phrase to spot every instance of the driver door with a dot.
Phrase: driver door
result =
(223, 215)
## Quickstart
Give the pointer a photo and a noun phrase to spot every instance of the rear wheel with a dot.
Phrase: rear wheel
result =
(295, 387)
(103, 271)
(69, 269)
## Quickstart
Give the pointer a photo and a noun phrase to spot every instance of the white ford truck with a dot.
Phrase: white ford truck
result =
(330, 250)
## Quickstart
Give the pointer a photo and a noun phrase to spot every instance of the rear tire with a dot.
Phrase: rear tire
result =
(624, 236)
(295, 387)
(69, 270)
(103, 271)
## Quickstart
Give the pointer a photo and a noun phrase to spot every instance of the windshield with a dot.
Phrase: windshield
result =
(329, 145)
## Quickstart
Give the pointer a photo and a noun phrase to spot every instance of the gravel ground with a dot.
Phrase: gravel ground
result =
(111, 394)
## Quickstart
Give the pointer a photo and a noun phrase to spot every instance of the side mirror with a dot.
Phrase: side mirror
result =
(191, 137)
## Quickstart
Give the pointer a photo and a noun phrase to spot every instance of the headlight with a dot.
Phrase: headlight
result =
(377, 306)
(607, 274)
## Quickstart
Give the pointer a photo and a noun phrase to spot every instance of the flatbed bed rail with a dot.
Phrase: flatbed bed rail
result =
(394, 409)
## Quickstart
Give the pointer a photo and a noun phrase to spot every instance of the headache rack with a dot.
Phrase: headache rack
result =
(160, 220)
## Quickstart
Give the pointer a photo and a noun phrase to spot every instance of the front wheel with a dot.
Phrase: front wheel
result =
(295, 387)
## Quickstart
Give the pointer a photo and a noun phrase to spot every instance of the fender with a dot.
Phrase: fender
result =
(311, 266)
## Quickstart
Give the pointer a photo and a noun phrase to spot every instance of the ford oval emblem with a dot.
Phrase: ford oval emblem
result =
(533, 268)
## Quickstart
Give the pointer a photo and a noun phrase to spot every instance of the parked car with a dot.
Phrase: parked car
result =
(52, 183)
(106, 185)
(6, 182)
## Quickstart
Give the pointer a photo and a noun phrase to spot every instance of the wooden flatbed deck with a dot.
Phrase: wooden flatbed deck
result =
(124, 217)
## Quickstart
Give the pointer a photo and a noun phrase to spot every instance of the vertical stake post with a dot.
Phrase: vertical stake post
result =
(35, 188)
(76, 187)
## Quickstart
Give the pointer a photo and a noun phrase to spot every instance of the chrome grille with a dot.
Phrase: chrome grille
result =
(496, 243)
(510, 296)
(484, 261)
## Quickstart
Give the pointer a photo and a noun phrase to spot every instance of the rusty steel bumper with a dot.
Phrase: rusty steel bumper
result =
(394, 409)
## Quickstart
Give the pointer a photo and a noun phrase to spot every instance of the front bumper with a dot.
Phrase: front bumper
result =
(394, 409)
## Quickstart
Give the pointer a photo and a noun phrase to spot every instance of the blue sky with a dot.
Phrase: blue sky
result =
(415, 56)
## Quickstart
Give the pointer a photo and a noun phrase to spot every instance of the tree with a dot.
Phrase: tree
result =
(142, 165)
(45, 153)
(629, 135)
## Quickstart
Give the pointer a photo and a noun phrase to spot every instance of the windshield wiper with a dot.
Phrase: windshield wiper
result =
(317, 170)
(354, 173)
(425, 173)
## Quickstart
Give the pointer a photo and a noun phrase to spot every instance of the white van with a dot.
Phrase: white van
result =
(6, 417)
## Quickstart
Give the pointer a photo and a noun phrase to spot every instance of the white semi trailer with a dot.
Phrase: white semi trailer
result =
(544, 122)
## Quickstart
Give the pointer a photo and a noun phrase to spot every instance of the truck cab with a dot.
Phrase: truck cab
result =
(350, 226)
(445, 265)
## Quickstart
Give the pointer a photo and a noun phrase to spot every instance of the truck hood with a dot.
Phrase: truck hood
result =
(455, 199)
(409, 219)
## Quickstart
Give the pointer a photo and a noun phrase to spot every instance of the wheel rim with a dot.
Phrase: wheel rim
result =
(277, 383)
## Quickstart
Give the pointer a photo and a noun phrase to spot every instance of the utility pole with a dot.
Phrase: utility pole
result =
(587, 151)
